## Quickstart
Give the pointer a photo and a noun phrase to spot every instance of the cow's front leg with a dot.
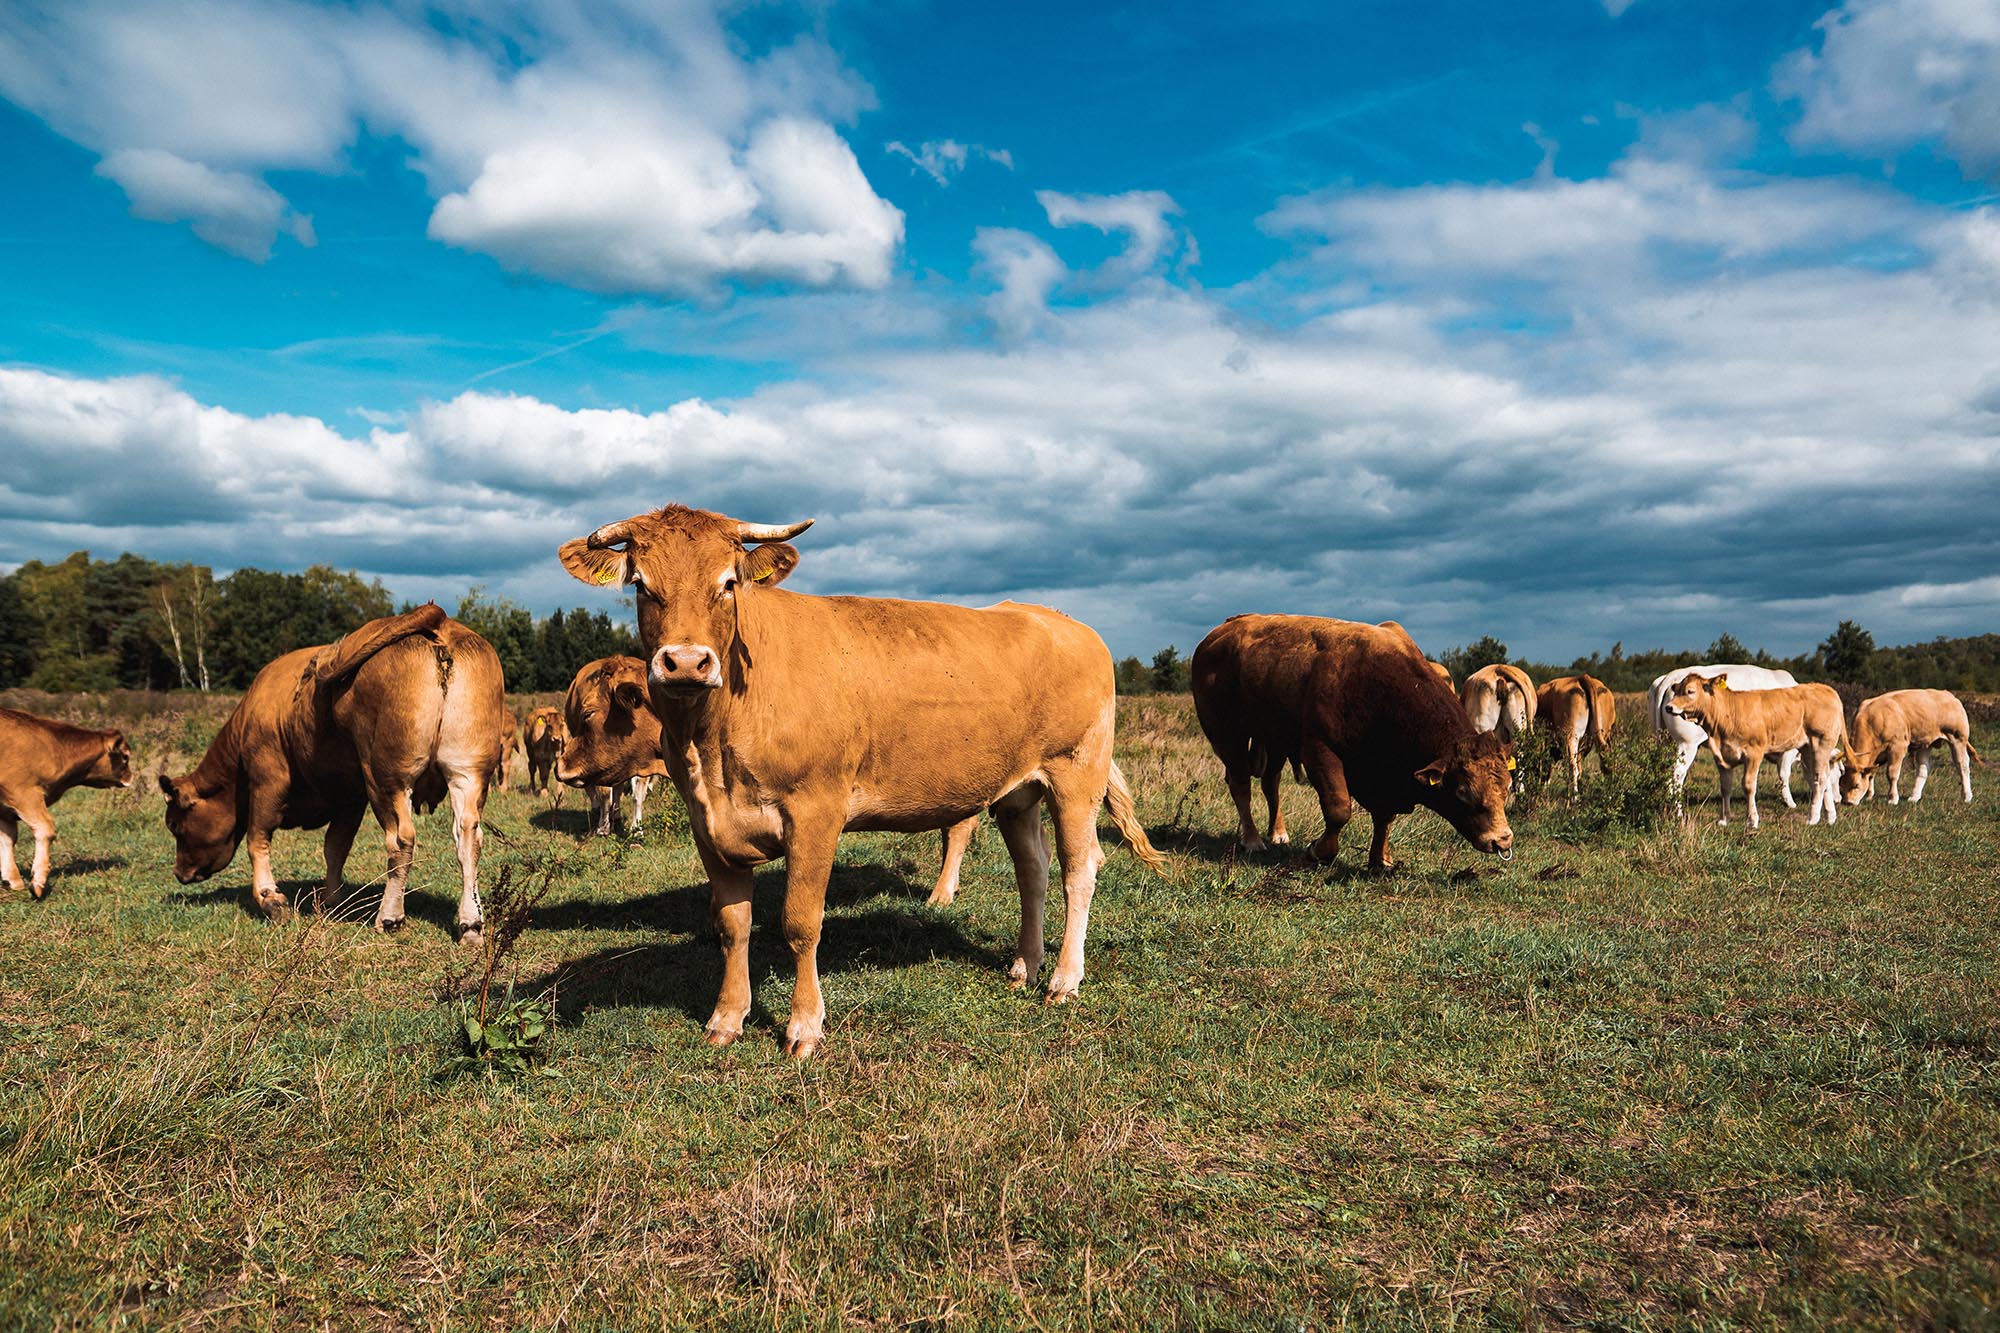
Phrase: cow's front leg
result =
(808, 864)
(956, 840)
(601, 799)
(264, 890)
(10, 828)
(1336, 806)
(641, 787)
(44, 828)
(729, 891)
(1754, 762)
(1722, 773)
(339, 842)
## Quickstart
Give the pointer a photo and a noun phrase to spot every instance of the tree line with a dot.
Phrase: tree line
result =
(1846, 656)
(134, 623)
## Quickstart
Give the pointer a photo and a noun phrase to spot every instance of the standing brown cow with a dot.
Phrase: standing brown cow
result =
(543, 742)
(788, 719)
(1501, 699)
(40, 759)
(1360, 709)
(510, 741)
(1579, 712)
(1889, 726)
(393, 717)
(1748, 726)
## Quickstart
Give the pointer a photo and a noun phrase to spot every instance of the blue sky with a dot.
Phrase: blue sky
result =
(1568, 322)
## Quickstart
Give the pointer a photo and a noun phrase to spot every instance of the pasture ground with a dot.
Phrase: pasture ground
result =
(1691, 1079)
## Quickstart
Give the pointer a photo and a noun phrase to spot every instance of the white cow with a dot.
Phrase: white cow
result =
(1687, 735)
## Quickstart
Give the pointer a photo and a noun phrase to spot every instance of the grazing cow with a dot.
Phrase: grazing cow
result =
(1579, 712)
(40, 759)
(1360, 710)
(1500, 699)
(510, 741)
(1891, 725)
(788, 719)
(543, 742)
(610, 739)
(1687, 737)
(1747, 726)
(394, 717)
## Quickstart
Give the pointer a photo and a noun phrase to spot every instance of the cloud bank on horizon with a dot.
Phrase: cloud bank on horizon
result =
(1736, 373)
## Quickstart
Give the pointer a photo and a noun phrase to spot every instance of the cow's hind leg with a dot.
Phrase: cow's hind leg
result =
(1785, 763)
(641, 788)
(808, 864)
(399, 836)
(1336, 806)
(1896, 758)
(340, 833)
(1274, 774)
(468, 805)
(10, 829)
(1073, 802)
(1756, 761)
(1019, 815)
(36, 817)
(1378, 850)
(1239, 792)
(955, 840)
(1961, 758)
(1923, 774)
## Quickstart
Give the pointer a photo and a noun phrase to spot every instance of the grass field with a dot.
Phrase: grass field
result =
(1690, 1079)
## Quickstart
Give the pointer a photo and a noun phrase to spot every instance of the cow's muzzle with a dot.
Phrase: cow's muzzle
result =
(684, 668)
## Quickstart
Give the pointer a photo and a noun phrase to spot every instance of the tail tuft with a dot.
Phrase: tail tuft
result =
(1118, 797)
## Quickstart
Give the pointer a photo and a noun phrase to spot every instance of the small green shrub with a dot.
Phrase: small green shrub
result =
(506, 1039)
(1632, 791)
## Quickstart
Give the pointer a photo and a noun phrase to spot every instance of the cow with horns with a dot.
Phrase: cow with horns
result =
(788, 719)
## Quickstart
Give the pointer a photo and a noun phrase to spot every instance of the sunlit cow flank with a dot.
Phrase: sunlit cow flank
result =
(788, 719)
(1747, 726)
(40, 759)
(395, 717)
(610, 739)
(1579, 712)
(1889, 726)
(1688, 738)
(542, 739)
(1358, 707)
(1501, 699)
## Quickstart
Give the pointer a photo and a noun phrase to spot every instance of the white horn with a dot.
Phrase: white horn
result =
(767, 532)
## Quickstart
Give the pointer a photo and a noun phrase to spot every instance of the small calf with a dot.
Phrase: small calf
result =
(1747, 726)
(41, 759)
(1891, 725)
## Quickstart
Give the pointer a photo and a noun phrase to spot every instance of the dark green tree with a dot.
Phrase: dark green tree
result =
(1170, 674)
(1463, 661)
(1132, 677)
(1846, 652)
(1728, 648)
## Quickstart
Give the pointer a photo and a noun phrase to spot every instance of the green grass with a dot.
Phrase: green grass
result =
(1693, 1079)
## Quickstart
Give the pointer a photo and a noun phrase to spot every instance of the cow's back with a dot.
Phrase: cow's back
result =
(1374, 701)
(1249, 678)
(425, 706)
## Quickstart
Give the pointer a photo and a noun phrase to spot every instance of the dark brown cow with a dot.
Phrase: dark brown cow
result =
(394, 717)
(1579, 712)
(40, 759)
(1361, 711)
(610, 738)
(542, 739)
(788, 719)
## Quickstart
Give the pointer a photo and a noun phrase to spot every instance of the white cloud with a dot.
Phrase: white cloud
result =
(1027, 271)
(941, 159)
(630, 150)
(1140, 215)
(1892, 73)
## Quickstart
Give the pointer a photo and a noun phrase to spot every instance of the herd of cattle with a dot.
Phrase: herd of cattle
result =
(784, 720)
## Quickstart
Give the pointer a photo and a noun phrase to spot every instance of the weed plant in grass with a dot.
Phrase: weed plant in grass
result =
(1685, 1077)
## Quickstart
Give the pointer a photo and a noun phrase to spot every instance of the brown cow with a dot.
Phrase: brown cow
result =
(543, 741)
(40, 759)
(1890, 725)
(1360, 710)
(1579, 712)
(788, 719)
(1745, 726)
(610, 738)
(1501, 699)
(393, 717)
(1444, 673)
(510, 741)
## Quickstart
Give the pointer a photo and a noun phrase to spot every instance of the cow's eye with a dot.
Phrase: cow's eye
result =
(729, 583)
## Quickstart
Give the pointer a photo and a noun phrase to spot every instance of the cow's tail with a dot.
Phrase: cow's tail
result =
(1972, 752)
(1595, 718)
(1118, 797)
(344, 657)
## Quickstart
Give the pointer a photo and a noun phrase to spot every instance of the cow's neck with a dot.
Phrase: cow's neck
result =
(221, 769)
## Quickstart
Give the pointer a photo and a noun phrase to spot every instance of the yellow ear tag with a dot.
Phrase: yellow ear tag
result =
(759, 578)
(607, 575)
(1510, 763)
(1722, 683)
(1432, 779)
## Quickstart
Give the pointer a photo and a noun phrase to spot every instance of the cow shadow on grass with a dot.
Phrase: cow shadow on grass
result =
(89, 865)
(685, 972)
(556, 819)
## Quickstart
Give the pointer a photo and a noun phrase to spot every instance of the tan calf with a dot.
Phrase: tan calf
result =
(1580, 712)
(1747, 726)
(510, 741)
(40, 759)
(1501, 699)
(1891, 725)
(543, 740)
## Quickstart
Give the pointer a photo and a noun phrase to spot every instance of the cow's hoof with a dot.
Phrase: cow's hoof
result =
(1281, 839)
(802, 1038)
(1062, 989)
(1250, 846)
(1019, 974)
(388, 925)
(38, 891)
(1325, 851)
(472, 936)
(276, 910)
(1382, 867)
(715, 1036)
(940, 897)
(802, 1048)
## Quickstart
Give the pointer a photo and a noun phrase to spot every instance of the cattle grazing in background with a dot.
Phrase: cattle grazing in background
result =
(1501, 699)
(1891, 725)
(788, 719)
(1748, 726)
(1688, 738)
(510, 741)
(40, 759)
(1358, 707)
(396, 717)
(610, 739)
(1579, 712)
(542, 739)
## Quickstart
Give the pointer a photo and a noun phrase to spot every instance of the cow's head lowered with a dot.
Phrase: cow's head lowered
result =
(610, 731)
(1857, 776)
(207, 826)
(693, 572)
(1468, 785)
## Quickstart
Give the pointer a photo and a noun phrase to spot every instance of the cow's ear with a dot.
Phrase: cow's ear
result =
(1432, 774)
(1719, 682)
(594, 566)
(629, 694)
(166, 786)
(768, 564)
